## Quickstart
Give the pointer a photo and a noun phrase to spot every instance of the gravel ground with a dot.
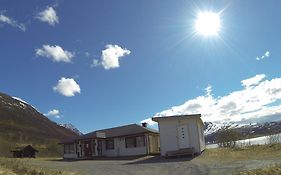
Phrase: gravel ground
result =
(152, 165)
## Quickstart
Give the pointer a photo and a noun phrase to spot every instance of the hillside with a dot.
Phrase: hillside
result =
(21, 124)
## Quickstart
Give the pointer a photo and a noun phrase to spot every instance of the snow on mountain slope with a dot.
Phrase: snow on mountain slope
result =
(72, 128)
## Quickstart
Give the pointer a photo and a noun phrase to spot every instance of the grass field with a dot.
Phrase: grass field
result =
(10, 166)
(265, 159)
(271, 170)
(246, 153)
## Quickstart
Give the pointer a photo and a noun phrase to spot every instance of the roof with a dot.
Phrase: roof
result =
(21, 148)
(126, 130)
(175, 117)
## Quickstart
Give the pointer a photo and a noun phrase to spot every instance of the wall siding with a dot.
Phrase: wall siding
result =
(71, 156)
(169, 135)
(121, 150)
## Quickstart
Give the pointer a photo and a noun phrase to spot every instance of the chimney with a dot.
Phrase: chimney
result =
(144, 124)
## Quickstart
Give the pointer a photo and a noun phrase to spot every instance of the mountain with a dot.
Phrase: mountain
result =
(22, 124)
(71, 127)
(245, 130)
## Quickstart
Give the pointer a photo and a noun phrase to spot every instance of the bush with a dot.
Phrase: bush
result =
(227, 138)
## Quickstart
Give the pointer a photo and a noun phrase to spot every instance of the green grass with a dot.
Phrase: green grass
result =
(9, 166)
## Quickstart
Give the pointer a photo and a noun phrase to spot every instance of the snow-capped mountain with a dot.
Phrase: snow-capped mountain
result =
(72, 128)
(21, 123)
(214, 127)
(244, 130)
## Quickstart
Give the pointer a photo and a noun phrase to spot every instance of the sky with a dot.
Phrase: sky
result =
(101, 64)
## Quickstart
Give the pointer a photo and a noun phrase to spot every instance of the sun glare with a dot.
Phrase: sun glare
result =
(208, 23)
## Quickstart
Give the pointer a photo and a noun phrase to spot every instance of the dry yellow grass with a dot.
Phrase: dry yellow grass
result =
(246, 153)
(272, 170)
(4, 171)
(10, 166)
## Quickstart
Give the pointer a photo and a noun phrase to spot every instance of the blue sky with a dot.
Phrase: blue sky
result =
(110, 63)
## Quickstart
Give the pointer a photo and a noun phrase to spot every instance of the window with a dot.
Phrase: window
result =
(137, 141)
(69, 148)
(140, 141)
(130, 142)
(109, 144)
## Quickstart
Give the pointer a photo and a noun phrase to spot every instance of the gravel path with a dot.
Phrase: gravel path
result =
(152, 165)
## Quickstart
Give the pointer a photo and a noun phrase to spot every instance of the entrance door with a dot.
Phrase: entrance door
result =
(88, 148)
(100, 148)
(183, 137)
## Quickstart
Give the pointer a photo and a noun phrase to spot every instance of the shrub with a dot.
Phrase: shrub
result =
(227, 138)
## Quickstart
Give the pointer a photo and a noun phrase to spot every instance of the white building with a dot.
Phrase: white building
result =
(129, 140)
(177, 133)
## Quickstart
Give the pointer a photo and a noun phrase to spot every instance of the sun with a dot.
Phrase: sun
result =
(207, 24)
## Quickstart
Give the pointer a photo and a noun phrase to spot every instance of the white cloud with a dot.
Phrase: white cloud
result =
(12, 22)
(265, 55)
(95, 63)
(260, 99)
(67, 87)
(48, 15)
(53, 113)
(253, 81)
(56, 53)
(111, 56)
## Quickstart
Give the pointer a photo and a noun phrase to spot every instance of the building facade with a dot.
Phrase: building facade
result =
(129, 140)
(181, 133)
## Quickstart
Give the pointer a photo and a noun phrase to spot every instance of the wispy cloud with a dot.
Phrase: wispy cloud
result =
(95, 63)
(253, 81)
(48, 15)
(67, 87)
(260, 99)
(56, 53)
(111, 56)
(265, 55)
(53, 113)
(10, 21)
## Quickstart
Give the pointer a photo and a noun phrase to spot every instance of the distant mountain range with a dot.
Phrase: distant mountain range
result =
(22, 124)
(244, 130)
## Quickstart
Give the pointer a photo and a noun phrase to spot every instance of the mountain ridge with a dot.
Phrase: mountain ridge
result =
(21, 123)
(244, 130)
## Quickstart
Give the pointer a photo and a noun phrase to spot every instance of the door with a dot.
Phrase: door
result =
(183, 136)
(88, 148)
(99, 148)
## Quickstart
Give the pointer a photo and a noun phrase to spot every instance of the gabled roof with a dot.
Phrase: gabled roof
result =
(196, 116)
(120, 131)
(21, 148)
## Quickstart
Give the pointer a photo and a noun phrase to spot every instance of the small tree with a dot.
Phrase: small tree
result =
(227, 138)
